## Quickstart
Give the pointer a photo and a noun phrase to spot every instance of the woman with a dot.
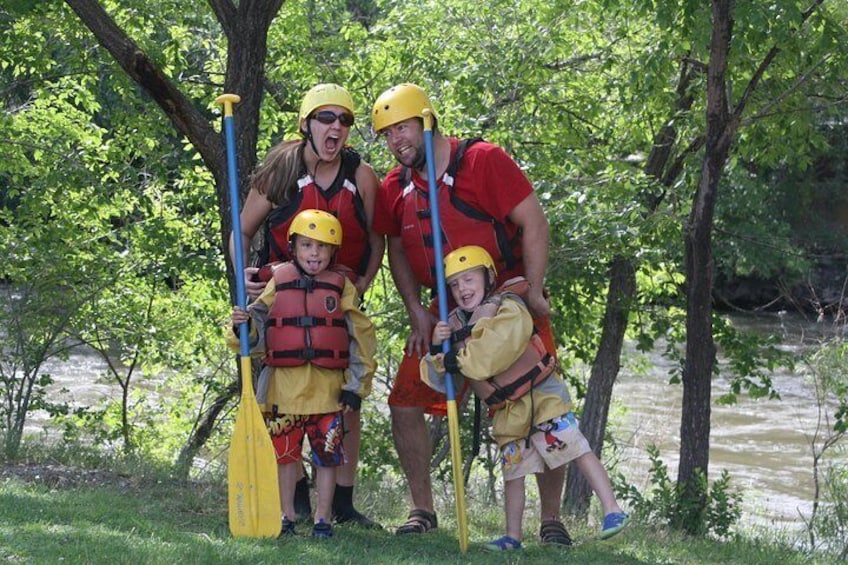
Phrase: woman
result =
(318, 171)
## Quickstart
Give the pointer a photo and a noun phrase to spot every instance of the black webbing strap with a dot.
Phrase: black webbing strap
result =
(308, 353)
(308, 284)
(503, 393)
(306, 322)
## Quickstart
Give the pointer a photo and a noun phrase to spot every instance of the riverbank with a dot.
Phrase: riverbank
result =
(55, 512)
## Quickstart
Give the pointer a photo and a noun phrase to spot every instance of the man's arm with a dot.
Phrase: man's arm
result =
(420, 319)
(530, 217)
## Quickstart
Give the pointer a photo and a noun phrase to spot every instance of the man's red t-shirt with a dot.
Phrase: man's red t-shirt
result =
(487, 179)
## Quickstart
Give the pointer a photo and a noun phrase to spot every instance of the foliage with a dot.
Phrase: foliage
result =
(131, 221)
(576, 91)
(712, 511)
(827, 524)
(830, 529)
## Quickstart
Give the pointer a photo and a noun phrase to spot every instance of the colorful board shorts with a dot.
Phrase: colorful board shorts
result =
(324, 432)
(553, 444)
(408, 391)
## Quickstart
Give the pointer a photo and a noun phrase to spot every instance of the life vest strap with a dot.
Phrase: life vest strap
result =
(462, 334)
(308, 353)
(306, 322)
(308, 284)
(502, 394)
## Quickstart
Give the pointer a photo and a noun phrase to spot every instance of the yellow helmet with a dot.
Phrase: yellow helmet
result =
(399, 103)
(326, 94)
(317, 224)
(468, 257)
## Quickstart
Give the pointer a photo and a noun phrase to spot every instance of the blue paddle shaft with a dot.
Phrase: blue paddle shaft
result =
(436, 226)
(238, 260)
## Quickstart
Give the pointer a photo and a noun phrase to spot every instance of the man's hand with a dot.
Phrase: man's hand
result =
(537, 303)
(421, 321)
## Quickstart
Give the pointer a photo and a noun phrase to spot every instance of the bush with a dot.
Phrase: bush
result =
(702, 510)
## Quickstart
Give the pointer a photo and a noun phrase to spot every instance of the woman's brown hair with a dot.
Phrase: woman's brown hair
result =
(276, 176)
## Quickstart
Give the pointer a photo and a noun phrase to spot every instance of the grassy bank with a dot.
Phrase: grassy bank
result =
(55, 513)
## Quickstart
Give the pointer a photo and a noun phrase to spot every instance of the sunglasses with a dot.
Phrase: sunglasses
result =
(328, 117)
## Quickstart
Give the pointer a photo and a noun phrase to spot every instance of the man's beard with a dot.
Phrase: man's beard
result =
(419, 161)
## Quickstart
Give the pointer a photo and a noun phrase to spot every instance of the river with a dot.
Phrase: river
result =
(764, 444)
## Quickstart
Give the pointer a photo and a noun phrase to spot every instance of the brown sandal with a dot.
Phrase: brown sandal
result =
(418, 522)
(553, 531)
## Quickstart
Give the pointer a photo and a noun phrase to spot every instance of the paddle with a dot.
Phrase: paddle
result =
(453, 416)
(253, 489)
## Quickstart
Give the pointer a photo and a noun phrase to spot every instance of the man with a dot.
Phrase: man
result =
(484, 199)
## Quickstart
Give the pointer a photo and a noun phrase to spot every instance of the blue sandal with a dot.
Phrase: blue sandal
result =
(504, 543)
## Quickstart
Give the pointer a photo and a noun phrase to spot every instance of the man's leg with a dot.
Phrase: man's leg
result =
(551, 482)
(412, 442)
(302, 503)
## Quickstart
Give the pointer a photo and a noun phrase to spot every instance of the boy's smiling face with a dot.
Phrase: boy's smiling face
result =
(312, 255)
(468, 288)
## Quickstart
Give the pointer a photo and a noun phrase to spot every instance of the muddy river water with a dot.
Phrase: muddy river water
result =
(764, 444)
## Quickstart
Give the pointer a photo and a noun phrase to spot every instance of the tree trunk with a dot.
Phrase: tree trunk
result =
(605, 367)
(700, 347)
(203, 431)
(620, 295)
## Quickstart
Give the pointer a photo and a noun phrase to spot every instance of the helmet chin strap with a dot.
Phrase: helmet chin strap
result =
(311, 140)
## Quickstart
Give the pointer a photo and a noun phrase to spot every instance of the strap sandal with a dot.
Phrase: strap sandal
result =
(504, 543)
(419, 521)
(554, 532)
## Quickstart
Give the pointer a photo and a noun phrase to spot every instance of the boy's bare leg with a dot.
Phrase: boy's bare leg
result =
(551, 483)
(287, 479)
(325, 484)
(514, 500)
(592, 468)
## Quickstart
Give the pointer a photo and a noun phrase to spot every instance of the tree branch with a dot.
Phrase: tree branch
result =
(765, 63)
(182, 113)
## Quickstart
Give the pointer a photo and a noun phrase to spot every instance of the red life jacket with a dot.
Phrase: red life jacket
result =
(533, 366)
(342, 199)
(306, 323)
(461, 224)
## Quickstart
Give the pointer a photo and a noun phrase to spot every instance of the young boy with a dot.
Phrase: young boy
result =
(495, 348)
(318, 359)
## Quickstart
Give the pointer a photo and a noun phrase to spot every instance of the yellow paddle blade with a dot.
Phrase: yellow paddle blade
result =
(254, 493)
(458, 482)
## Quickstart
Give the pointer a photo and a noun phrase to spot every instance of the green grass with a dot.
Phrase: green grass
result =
(55, 514)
